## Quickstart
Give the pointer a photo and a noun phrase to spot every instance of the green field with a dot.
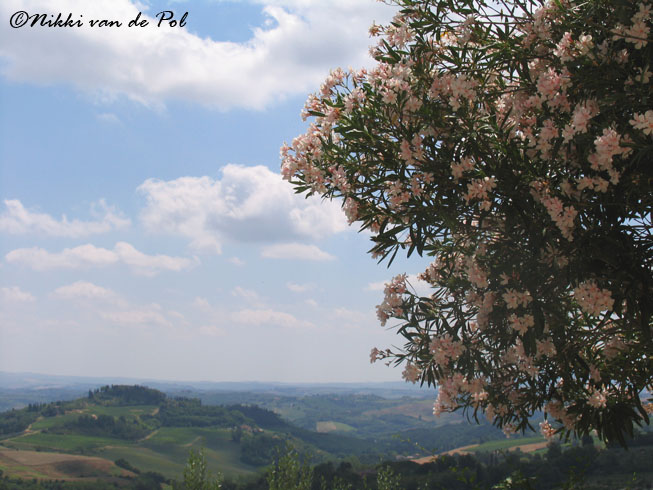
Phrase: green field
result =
(332, 426)
(165, 451)
(505, 444)
(49, 422)
(64, 443)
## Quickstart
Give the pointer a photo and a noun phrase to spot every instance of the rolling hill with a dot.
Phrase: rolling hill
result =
(83, 438)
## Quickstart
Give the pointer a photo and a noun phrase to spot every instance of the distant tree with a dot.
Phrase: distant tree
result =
(387, 479)
(236, 433)
(289, 472)
(197, 476)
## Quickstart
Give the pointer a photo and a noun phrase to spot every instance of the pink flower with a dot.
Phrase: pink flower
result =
(592, 299)
(597, 399)
(545, 348)
(546, 429)
(457, 169)
(643, 122)
(374, 355)
(515, 298)
(638, 34)
(411, 373)
(521, 323)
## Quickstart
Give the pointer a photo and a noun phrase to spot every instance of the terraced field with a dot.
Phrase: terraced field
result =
(47, 465)
(165, 452)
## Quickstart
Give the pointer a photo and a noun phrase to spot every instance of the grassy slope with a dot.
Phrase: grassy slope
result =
(506, 444)
(46, 465)
(164, 450)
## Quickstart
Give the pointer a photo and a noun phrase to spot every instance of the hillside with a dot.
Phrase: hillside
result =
(154, 432)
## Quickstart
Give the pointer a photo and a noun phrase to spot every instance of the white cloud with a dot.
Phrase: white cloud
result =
(108, 117)
(295, 251)
(311, 302)
(290, 55)
(91, 256)
(86, 290)
(419, 287)
(248, 204)
(14, 294)
(268, 317)
(150, 264)
(201, 303)
(178, 316)
(18, 220)
(353, 319)
(300, 288)
(247, 294)
(137, 317)
(237, 261)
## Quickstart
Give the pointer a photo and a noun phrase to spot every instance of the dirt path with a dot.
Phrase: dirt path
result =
(192, 442)
(524, 448)
(150, 435)
(458, 450)
(529, 448)
(29, 430)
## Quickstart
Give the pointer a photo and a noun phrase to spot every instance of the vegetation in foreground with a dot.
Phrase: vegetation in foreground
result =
(583, 466)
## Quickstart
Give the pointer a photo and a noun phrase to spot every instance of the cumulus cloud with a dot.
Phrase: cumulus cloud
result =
(201, 303)
(91, 256)
(268, 317)
(295, 251)
(353, 319)
(86, 290)
(247, 204)
(247, 294)
(147, 316)
(300, 288)
(16, 219)
(108, 117)
(14, 294)
(290, 54)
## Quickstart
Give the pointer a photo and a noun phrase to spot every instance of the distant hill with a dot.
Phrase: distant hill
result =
(154, 432)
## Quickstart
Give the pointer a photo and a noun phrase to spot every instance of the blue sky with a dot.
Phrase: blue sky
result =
(144, 228)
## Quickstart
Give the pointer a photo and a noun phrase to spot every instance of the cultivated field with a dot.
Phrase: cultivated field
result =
(57, 466)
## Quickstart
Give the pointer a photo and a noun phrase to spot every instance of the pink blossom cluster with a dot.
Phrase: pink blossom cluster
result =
(592, 299)
(547, 430)
(393, 300)
(444, 349)
(643, 122)
(411, 373)
(514, 299)
(597, 399)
